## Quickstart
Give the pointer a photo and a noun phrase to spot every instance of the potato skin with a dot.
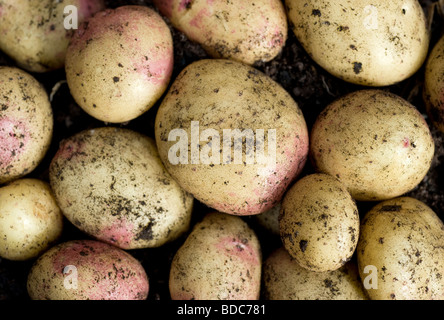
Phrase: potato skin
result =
(285, 279)
(30, 219)
(104, 272)
(319, 223)
(26, 123)
(403, 238)
(220, 260)
(33, 32)
(119, 63)
(247, 32)
(227, 95)
(375, 142)
(376, 43)
(111, 184)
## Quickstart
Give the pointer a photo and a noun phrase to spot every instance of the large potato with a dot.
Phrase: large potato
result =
(402, 240)
(119, 63)
(231, 136)
(33, 33)
(111, 184)
(87, 270)
(285, 279)
(245, 31)
(26, 123)
(220, 260)
(373, 43)
(375, 142)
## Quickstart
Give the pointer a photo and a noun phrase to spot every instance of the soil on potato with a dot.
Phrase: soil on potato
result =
(311, 87)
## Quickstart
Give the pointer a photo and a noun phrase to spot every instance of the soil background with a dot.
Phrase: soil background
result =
(311, 87)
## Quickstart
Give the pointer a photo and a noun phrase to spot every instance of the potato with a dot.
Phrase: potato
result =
(319, 223)
(269, 220)
(220, 260)
(375, 142)
(87, 270)
(231, 136)
(247, 32)
(402, 240)
(26, 123)
(30, 219)
(377, 43)
(285, 279)
(34, 32)
(433, 91)
(119, 63)
(111, 184)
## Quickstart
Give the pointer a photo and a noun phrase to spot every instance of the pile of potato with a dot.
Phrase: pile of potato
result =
(127, 191)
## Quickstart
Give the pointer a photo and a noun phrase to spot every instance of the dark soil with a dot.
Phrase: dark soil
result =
(313, 89)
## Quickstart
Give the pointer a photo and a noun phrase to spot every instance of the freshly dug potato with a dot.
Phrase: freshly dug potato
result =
(119, 63)
(111, 184)
(231, 136)
(285, 279)
(403, 238)
(377, 43)
(30, 219)
(33, 33)
(245, 31)
(220, 260)
(434, 85)
(375, 142)
(319, 223)
(26, 123)
(87, 270)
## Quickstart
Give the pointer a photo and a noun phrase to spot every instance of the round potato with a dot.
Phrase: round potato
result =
(231, 136)
(220, 260)
(87, 270)
(285, 279)
(377, 43)
(375, 142)
(119, 63)
(36, 33)
(247, 32)
(26, 123)
(434, 85)
(111, 184)
(30, 219)
(401, 251)
(319, 223)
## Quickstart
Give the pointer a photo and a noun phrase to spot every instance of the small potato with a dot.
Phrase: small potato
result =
(119, 63)
(26, 123)
(111, 184)
(403, 239)
(434, 85)
(285, 279)
(34, 33)
(245, 31)
(269, 220)
(30, 219)
(220, 260)
(87, 270)
(375, 142)
(231, 136)
(319, 223)
(373, 43)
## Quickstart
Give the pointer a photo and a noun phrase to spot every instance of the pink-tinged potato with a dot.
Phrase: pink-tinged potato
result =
(245, 31)
(220, 260)
(434, 85)
(111, 184)
(26, 123)
(87, 270)
(33, 33)
(214, 100)
(119, 63)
